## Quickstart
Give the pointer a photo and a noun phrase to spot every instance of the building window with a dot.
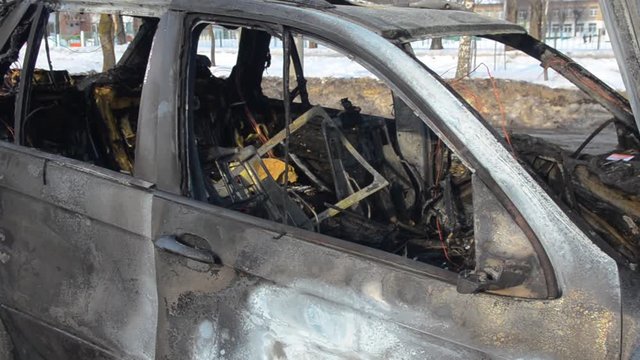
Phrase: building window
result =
(523, 15)
(555, 28)
(566, 28)
(592, 28)
(593, 12)
(579, 28)
(555, 13)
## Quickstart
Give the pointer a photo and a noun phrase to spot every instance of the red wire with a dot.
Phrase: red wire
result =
(444, 246)
(496, 93)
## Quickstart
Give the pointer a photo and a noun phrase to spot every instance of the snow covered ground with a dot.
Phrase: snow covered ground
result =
(324, 62)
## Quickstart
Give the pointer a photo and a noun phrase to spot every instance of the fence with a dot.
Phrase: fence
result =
(225, 38)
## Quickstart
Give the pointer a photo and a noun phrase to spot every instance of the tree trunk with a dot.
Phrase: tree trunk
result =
(464, 51)
(436, 44)
(510, 14)
(536, 22)
(212, 35)
(511, 10)
(464, 57)
(545, 21)
(105, 31)
(121, 35)
(137, 22)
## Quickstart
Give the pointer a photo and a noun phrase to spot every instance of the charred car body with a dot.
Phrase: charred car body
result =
(158, 211)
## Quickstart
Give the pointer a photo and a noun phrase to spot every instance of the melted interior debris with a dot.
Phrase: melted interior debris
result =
(604, 190)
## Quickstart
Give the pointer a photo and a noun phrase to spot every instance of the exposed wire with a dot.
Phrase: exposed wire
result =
(444, 246)
(353, 181)
(308, 206)
(496, 94)
(34, 111)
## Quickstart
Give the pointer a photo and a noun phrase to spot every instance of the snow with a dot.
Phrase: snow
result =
(518, 66)
(75, 60)
(324, 62)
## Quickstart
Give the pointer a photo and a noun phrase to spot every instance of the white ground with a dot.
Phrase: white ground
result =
(325, 62)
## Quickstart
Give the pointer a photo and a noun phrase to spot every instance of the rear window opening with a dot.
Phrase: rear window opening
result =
(85, 110)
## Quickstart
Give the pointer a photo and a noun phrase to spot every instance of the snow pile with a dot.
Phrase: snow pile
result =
(326, 63)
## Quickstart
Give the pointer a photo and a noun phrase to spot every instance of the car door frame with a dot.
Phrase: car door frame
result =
(81, 215)
(596, 293)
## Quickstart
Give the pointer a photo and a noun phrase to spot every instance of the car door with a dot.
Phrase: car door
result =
(77, 275)
(236, 287)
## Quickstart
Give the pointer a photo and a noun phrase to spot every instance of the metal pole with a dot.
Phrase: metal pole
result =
(495, 55)
(57, 27)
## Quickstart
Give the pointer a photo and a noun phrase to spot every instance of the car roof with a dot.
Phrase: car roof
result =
(399, 24)
(406, 24)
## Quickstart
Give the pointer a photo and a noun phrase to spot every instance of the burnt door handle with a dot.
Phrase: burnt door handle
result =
(172, 244)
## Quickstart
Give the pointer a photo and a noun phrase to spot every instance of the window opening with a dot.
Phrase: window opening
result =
(338, 169)
(76, 108)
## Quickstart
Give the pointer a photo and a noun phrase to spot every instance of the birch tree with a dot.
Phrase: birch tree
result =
(464, 51)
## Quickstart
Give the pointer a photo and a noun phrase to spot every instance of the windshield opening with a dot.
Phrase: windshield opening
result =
(588, 157)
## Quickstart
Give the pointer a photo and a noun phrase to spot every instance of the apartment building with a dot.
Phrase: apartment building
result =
(565, 18)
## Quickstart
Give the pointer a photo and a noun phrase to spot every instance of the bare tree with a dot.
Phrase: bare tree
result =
(545, 20)
(436, 44)
(137, 22)
(511, 10)
(121, 36)
(212, 36)
(105, 31)
(545, 26)
(577, 13)
(562, 17)
(464, 51)
(536, 19)
(510, 14)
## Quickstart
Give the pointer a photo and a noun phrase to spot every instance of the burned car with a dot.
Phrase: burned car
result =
(159, 210)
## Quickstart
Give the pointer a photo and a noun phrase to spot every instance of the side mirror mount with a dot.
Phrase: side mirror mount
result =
(471, 281)
(506, 261)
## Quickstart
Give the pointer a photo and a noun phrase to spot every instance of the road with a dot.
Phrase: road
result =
(571, 139)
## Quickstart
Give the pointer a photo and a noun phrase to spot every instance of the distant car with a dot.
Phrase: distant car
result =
(156, 211)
